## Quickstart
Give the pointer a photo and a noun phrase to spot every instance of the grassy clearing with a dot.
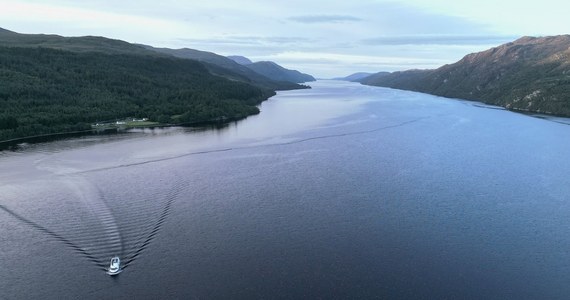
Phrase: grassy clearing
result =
(141, 124)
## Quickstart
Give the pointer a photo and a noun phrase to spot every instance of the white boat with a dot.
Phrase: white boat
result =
(115, 266)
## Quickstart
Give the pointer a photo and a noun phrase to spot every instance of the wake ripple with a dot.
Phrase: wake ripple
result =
(123, 227)
(321, 137)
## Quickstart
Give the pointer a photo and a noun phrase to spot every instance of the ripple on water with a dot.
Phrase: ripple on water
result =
(95, 218)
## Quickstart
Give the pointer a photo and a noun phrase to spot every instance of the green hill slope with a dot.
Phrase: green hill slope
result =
(46, 90)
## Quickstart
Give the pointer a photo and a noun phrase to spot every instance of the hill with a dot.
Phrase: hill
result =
(272, 70)
(530, 74)
(276, 72)
(355, 77)
(76, 44)
(242, 60)
(226, 67)
(51, 84)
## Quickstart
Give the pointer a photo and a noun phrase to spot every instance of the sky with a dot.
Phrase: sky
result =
(324, 38)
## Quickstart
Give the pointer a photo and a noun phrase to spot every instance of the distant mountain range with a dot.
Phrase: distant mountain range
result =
(224, 66)
(355, 77)
(267, 74)
(529, 75)
(277, 72)
(272, 70)
(51, 84)
(242, 60)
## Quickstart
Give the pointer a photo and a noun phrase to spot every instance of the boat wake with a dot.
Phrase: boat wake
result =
(103, 221)
(255, 146)
(103, 213)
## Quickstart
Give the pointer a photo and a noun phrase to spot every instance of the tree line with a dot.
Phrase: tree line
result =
(45, 91)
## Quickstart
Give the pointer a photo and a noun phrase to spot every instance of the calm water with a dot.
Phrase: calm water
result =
(342, 191)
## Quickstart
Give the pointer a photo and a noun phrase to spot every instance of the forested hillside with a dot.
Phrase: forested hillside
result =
(46, 90)
(228, 68)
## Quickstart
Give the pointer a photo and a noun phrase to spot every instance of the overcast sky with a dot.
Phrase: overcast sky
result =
(325, 38)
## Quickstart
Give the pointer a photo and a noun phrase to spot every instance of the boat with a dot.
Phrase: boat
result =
(115, 266)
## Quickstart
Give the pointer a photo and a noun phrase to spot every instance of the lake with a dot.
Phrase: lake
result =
(340, 191)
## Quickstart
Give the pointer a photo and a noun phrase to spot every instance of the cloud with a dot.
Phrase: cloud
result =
(438, 40)
(274, 39)
(325, 19)
(321, 37)
(281, 41)
(216, 41)
(245, 45)
(307, 58)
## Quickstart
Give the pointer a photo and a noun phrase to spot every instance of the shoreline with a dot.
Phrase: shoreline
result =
(12, 144)
(536, 114)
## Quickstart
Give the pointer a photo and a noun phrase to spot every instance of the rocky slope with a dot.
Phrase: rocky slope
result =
(530, 74)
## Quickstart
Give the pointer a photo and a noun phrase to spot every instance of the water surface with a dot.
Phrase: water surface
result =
(341, 191)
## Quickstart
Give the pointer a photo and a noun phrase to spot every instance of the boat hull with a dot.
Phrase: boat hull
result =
(114, 273)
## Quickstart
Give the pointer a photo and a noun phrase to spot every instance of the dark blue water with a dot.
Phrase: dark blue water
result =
(342, 191)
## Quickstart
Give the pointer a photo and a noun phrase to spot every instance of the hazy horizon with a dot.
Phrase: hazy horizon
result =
(320, 38)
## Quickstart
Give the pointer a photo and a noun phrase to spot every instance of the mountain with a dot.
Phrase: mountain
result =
(242, 60)
(530, 74)
(226, 67)
(272, 70)
(266, 73)
(51, 84)
(405, 80)
(216, 64)
(6, 31)
(355, 77)
(276, 72)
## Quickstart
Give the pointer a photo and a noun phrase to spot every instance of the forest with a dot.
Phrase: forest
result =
(44, 91)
